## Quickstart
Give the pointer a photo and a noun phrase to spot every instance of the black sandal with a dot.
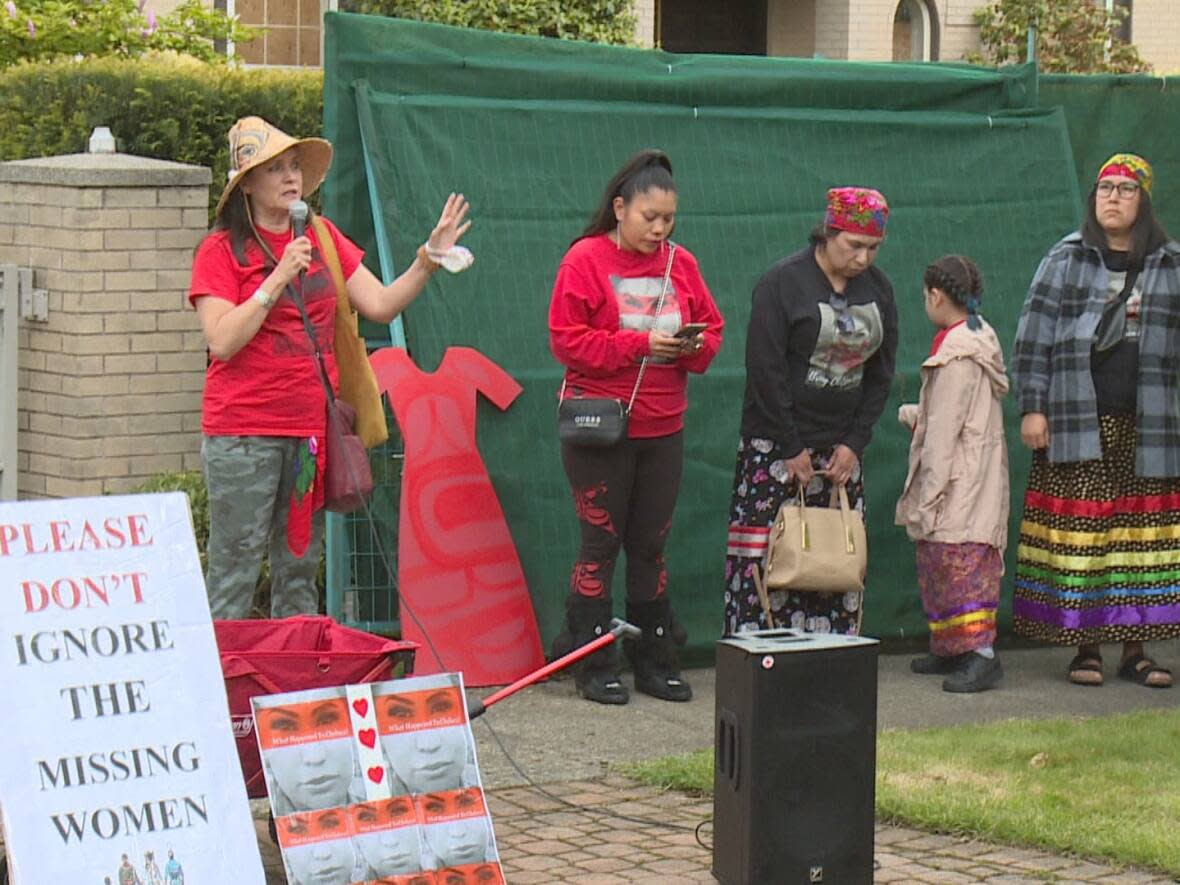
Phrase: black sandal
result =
(1086, 669)
(1140, 668)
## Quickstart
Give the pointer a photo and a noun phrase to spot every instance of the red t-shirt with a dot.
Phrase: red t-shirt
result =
(600, 316)
(940, 336)
(271, 386)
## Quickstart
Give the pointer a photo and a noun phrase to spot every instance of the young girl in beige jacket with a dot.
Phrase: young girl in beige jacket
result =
(955, 501)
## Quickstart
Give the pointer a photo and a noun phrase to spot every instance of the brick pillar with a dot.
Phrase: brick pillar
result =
(645, 22)
(110, 384)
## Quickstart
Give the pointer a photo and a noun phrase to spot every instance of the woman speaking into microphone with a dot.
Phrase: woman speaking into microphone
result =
(264, 413)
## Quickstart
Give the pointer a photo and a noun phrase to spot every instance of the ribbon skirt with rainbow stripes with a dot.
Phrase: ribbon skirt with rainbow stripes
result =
(1099, 554)
(960, 589)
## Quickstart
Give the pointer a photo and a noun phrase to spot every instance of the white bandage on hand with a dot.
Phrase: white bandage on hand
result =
(455, 259)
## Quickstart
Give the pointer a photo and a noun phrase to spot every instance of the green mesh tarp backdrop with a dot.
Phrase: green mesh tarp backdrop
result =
(530, 130)
(1107, 114)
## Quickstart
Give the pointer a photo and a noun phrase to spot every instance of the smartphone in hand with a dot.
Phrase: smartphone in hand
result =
(690, 330)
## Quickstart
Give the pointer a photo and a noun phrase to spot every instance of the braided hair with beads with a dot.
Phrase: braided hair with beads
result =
(959, 278)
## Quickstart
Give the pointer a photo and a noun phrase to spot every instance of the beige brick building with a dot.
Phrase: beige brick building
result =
(866, 30)
(859, 30)
(292, 28)
(110, 378)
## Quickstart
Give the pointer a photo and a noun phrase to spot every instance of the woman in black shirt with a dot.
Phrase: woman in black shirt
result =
(820, 353)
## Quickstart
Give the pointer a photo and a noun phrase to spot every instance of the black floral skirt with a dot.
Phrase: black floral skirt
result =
(759, 489)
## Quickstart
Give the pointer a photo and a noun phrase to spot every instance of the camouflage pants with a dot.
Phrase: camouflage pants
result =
(250, 479)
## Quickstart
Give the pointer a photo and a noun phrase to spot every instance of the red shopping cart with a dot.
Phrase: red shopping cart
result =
(263, 657)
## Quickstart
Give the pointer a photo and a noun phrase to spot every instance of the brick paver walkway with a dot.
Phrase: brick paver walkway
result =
(542, 841)
(546, 842)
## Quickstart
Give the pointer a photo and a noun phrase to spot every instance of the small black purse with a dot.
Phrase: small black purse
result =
(602, 421)
(591, 421)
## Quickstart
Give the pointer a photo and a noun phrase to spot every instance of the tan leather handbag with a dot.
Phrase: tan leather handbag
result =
(817, 549)
(358, 384)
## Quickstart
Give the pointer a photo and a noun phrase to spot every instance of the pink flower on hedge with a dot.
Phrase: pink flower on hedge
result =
(152, 25)
(11, 7)
(32, 29)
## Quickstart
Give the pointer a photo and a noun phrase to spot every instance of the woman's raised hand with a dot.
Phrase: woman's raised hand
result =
(451, 225)
(1034, 430)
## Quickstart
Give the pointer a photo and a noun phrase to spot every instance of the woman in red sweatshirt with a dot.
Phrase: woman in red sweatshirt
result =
(617, 338)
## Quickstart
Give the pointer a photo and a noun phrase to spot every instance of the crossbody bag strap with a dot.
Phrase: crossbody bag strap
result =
(659, 307)
(655, 319)
(297, 297)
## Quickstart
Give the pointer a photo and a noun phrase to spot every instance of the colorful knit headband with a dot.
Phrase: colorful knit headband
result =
(857, 210)
(1129, 166)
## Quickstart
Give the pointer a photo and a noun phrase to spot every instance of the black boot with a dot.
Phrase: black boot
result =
(975, 673)
(596, 676)
(932, 664)
(655, 656)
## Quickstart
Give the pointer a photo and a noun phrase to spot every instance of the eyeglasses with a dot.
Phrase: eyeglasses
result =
(1125, 188)
(845, 323)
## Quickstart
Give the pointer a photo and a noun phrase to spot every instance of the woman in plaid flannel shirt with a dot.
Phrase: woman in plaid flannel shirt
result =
(1096, 366)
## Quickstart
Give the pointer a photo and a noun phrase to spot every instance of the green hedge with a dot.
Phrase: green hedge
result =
(167, 107)
(598, 21)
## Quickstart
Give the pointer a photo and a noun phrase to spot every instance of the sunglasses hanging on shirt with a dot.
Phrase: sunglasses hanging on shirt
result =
(845, 322)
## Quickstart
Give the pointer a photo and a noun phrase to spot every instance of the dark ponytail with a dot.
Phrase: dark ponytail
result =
(959, 278)
(646, 170)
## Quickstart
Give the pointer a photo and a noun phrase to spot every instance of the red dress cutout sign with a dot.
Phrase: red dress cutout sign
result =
(458, 571)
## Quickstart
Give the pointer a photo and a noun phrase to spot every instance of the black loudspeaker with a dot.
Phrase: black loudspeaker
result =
(795, 759)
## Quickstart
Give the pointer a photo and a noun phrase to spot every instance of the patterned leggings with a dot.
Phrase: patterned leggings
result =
(759, 489)
(624, 496)
(250, 479)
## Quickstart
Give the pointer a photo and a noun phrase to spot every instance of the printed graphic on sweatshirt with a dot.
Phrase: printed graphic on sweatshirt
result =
(637, 298)
(837, 363)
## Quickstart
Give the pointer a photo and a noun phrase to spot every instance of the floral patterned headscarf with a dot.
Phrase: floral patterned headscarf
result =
(857, 210)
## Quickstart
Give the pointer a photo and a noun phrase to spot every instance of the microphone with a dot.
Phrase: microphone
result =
(298, 212)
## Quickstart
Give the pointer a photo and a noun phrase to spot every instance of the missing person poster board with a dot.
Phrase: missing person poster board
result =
(377, 783)
(117, 763)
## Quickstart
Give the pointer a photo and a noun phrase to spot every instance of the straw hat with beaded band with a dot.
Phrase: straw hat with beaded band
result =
(254, 142)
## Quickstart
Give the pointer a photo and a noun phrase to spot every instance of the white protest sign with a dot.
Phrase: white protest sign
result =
(117, 759)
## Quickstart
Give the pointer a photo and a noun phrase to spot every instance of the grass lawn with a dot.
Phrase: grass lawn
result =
(1103, 788)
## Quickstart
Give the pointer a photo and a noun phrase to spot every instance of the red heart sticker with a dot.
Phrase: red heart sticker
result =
(361, 706)
(368, 737)
(376, 774)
